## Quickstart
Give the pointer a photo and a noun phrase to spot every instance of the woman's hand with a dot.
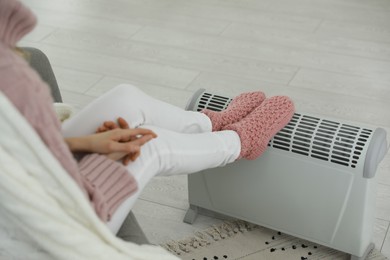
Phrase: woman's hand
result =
(122, 124)
(119, 140)
(111, 125)
(114, 142)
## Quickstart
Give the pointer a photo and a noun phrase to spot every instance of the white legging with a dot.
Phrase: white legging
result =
(185, 143)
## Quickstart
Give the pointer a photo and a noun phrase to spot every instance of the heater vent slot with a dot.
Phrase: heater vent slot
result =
(213, 102)
(309, 136)
(322, 139)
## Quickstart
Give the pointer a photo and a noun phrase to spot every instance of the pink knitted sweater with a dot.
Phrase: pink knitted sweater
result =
(105, 182)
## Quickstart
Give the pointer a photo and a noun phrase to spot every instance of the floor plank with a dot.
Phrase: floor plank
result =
(359, 12)
(275, 53)
(246, 15)
(171, 56)
(75, 80)
(356, 31)
(382, 202)
(386, 245)
(381, 228)
(331, 41)
(341, 84)
(232, 85)
(170, 95)
(156, 219)
(122, 67)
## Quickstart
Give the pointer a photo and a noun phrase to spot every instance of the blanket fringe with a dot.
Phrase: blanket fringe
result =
(205, 238)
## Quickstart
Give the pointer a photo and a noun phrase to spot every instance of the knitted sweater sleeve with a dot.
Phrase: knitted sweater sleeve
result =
(108, 183)
(105, 182)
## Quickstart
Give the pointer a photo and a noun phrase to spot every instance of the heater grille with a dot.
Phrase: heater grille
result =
(309, 136)
(213, 102)
(322, 139)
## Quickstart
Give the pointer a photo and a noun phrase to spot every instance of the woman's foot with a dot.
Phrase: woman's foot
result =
(240, 107)
(257, 129)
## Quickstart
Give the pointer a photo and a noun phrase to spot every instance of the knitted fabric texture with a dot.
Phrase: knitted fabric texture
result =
(108, 183)
(257, 129)
(31, 96)
(240, 107)
(36, 105)
(15, 21)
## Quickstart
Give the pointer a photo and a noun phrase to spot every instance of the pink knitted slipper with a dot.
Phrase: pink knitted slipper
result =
(240, 107)
(261, 125)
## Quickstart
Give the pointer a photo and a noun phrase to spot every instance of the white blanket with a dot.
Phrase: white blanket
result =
(43, 214)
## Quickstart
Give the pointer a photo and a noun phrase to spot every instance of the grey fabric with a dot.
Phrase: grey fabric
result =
(130, 229)
(39, 61)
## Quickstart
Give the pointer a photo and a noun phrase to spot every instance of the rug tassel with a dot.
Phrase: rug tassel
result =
(207, 242)
(204, 238)
(173, 247)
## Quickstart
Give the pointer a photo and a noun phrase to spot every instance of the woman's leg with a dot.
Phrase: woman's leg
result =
(173, 153)
(137, 108)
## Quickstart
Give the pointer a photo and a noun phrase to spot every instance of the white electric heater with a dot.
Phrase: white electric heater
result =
(315, 181)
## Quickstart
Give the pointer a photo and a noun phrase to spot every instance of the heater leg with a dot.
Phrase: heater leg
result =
(364, 256)
(191, 214)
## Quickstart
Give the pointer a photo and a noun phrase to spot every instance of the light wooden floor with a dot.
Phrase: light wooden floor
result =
(331, 56)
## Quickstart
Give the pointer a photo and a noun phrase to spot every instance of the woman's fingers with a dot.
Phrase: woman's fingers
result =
(130, 151)
(110, 125)
(107, 126)
(122, 147)
(144, 131)
(120, 139)
(125, 135)
(119, 142)
(130, 158)
(123, 123)
(142, 140)
(102, 129)
(134, 156)
(116, 155)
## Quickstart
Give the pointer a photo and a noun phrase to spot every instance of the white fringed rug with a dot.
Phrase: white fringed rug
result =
(245, 241)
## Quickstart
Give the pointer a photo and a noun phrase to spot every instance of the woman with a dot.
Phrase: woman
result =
(162, 140)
